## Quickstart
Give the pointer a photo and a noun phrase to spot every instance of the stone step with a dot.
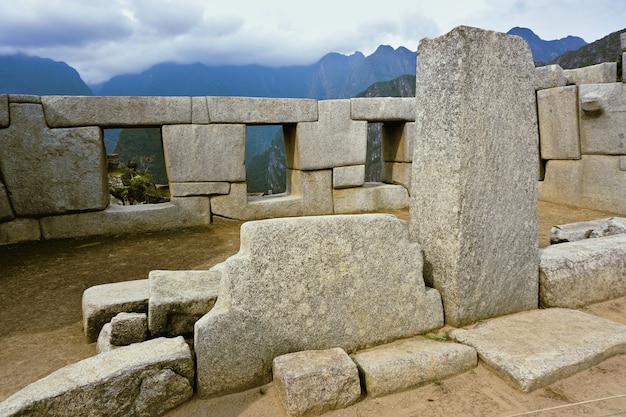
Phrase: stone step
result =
(411, 363)
(535, 348)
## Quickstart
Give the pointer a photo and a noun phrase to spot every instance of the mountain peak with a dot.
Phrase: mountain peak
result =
(546, 51)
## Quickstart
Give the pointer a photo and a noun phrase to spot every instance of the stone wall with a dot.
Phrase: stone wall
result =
(53, 165)
(582, 125)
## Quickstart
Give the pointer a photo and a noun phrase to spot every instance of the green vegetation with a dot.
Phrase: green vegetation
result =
(131, 186)
(144, 146)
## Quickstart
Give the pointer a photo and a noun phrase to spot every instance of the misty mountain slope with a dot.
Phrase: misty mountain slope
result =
(21, 74)
(607, 49)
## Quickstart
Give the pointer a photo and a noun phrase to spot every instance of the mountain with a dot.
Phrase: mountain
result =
(22, 74)
(607, 49)
(546, 51)
(333, 76)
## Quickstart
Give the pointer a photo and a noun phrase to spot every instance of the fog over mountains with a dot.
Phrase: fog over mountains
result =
(333, 76)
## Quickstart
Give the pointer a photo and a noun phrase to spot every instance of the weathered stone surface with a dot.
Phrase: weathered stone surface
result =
(350, 176)
(211, 153)
(311, 283)
(67, 111)
(622, 162)
(179, 212)
(595, 182)
(603, 131)
(612, 226)
(19, 230)
(127, 328)
(313, 382)
(179, 298)
(594, 74)
(24, 98)
(103, 302)
(577, 274)
(66, 167)
(382, 109)
(186, 189)
(199, 110)
(573, 232)
(558, 123)
(103, 344)
(336, 140)
(410, 364)
(536, 348)
(4, 111)
(474, 180)
(397, 144)
(397, 173)
(254, 110)
(370, 197)
(6, 213)
(549, 76)
(143, 379)
(310, 193)
(622, 38)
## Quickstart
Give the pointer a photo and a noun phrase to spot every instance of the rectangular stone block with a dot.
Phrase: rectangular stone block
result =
(576, 274)
(593, 74)
(622, 162)
(382, 109)
(199, 110)
(186, 189)
(313, 382)
(398, 140)
(70, 111)
(18, 231)
(350, 176)
(549, 76)
(622, 38)
(24, 98)
(334, 140)
(205, 153)
(410, 364)
(595, 182)
(127, 328)
(557, 109)
(4, 110)
(397, 173)
(474, 181)
(311, 283)
(255, 110)
(179, 298)
(370, 197)
(179, 212)
(52, 171)
(603, 118)
(103, 302)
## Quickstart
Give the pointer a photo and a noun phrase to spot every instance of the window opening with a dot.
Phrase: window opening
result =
(266, 162)
(374, 159)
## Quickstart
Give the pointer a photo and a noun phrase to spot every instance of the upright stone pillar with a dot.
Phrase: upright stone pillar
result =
(474, 180)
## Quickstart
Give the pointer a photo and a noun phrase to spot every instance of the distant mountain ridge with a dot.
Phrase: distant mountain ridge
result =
(546, 51)
(607, 49)
(333, 76)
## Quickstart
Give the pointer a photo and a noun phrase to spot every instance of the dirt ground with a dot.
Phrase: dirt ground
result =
(41, 286)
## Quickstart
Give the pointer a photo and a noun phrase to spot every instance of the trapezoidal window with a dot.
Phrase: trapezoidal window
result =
(136, 165)
(266, 162)
(374, 158)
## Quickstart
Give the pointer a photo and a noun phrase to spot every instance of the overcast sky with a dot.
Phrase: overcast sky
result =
(103, 38)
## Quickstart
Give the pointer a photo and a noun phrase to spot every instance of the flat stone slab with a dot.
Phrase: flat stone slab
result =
(411, 364)
(103, 302)
(576, 274)
(179, 298)
(143, 379)
(313, 382)
(535, 348)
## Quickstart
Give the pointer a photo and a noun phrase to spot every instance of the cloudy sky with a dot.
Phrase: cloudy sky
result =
(103, 38)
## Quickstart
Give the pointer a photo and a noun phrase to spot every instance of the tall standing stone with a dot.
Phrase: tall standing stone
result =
(474, 181)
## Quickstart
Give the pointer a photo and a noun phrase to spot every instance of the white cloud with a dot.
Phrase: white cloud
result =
(103, 38)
